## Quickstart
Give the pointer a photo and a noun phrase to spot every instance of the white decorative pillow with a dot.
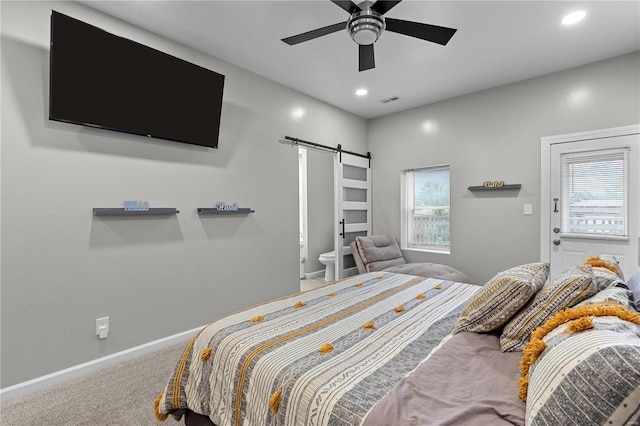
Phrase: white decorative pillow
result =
(619, 295)
(606, 271)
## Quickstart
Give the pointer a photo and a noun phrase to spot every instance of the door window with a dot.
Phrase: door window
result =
(595, 193)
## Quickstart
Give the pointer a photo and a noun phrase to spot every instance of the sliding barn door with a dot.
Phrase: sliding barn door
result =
(352, 192)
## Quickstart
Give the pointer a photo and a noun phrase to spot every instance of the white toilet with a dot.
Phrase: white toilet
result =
(329, 260)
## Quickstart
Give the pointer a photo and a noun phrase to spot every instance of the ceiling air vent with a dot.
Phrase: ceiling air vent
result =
(391, 99)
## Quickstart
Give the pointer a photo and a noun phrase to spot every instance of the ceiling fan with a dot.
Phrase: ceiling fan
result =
(367, 23)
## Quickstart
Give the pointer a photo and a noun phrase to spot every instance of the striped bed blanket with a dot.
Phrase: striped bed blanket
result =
(323, 357)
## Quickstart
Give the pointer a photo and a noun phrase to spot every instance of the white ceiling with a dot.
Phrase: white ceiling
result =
(497, 42)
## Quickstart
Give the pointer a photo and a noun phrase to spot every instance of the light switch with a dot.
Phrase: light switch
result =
(102, 327)
(528, 209)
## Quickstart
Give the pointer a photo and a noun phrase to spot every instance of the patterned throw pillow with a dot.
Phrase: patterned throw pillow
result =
(619, 295)
(501, 297)
(587, 377)
(606, 272)
(569, 288)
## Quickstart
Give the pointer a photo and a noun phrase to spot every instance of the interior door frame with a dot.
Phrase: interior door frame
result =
(545, 174)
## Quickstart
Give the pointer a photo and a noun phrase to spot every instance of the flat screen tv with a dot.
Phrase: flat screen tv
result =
(102, 80)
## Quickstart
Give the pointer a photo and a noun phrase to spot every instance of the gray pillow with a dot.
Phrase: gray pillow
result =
(379, 252)
(634, 285)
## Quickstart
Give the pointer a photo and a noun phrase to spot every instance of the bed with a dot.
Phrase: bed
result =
(383, 348)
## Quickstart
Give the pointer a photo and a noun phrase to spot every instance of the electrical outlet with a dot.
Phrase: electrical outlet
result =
(102, 327)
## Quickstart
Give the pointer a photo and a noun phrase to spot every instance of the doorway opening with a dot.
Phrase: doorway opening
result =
(316, 186)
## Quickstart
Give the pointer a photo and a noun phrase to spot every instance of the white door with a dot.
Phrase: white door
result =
(352, 192)
(593, 201)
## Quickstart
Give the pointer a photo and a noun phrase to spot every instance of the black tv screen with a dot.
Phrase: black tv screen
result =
(102, 80)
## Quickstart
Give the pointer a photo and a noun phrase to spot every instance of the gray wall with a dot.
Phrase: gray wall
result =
(62, 268)
(495, 135)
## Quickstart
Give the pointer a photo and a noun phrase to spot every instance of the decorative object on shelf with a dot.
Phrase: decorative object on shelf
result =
(112, 211)
(493, 185)
(136, 206)
(222, 206)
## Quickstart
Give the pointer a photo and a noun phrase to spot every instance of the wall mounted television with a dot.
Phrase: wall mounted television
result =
(102, 80)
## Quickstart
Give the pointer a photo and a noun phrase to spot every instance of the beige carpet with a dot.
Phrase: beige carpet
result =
(120, 395)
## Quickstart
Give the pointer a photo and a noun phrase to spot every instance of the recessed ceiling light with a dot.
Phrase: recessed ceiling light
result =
(361, 92)
(574, 17)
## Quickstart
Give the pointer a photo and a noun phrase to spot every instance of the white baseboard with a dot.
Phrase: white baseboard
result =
(314, 274)
(59, 377)
(347, 273)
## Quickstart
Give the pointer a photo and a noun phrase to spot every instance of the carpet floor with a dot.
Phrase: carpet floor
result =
(120, 395)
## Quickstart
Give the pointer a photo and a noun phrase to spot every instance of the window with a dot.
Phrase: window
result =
(595, 193)
(426, 209)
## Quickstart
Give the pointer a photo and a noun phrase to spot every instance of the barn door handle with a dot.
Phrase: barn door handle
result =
(555, 205)
(342, 233)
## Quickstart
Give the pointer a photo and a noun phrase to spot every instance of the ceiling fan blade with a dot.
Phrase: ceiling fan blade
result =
(383, 6)
(347, 5)
(310, 35)
(433, 33)
(366, 57)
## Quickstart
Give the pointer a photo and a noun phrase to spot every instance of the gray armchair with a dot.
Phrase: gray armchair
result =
(382, 253)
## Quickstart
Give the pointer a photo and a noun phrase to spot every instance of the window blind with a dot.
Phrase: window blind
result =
(595, 192)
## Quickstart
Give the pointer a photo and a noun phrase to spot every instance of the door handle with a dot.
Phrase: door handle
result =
(555, 205)
(556, 242)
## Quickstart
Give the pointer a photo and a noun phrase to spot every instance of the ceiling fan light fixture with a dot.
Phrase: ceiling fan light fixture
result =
(365, 26)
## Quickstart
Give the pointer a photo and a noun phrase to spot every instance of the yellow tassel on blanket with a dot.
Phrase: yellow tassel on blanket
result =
(437, 287)
(326, 348)
(379, 277)
(206, 353)
(358, 284)
(156, 408)
(399, 308)
(523, 387)
(299, 305)
(420, 296)
(580, 324)
(369, 324)
(333, 293)
(257, 319)
(274, 401)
